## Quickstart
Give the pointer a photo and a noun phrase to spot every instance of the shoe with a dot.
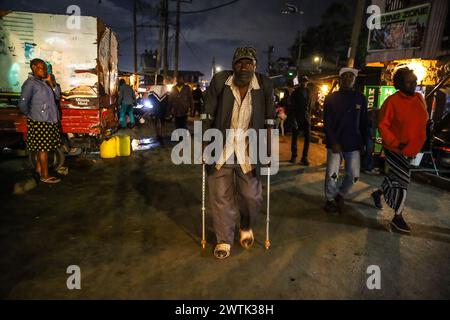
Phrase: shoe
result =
(399, 223)
(247, 238)
(50, 180)
(339, 203)
(293, 160)
(222, 251)
(373, 172)
(331, 207)
(376, 196)
(304, 162)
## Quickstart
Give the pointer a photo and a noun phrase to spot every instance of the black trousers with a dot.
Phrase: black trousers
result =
(180, 122)
(306, 128)
(196, 108)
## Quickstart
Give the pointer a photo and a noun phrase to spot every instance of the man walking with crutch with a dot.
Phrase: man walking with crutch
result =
(238, 100)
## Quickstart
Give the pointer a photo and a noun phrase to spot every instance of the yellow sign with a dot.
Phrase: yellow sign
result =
(425, 70)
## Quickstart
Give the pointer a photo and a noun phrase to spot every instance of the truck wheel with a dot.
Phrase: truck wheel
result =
(55, 158)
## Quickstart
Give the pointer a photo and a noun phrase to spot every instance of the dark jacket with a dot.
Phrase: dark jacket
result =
(197, 94)
(219, 101)
(126, 95)
(299, 107)
(345, 120)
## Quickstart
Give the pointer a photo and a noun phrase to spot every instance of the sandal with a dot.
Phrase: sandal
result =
(222, 251)
(247, 238)
(51, 180)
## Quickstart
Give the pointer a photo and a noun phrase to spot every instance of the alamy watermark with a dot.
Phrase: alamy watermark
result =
(252, 143)
(74, 21)
(374, 21)
(74, 280)
(374, 280)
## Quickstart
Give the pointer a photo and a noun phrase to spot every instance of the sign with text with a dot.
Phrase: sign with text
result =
(401, 29)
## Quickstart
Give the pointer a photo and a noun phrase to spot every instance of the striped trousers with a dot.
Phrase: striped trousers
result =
(396, 182)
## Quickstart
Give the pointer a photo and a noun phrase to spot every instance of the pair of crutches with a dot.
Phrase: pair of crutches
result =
(267, 242)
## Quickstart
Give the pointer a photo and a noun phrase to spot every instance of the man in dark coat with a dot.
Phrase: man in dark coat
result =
(240, 100)
(299, 118)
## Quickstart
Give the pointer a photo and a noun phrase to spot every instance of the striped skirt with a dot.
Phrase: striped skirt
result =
(396, 182)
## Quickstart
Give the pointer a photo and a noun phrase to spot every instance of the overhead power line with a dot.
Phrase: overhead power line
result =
(194, 54)
(208, 9)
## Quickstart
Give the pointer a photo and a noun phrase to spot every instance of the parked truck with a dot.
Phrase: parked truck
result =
(83, 55)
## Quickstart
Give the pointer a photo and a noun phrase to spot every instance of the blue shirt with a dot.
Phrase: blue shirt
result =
(37, 100)
(345, 120)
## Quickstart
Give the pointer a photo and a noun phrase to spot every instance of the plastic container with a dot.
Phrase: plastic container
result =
(123, 146)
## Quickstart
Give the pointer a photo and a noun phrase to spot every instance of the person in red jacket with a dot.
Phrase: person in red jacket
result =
(402, 124)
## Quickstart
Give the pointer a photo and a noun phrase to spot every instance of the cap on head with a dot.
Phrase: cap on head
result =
(351, 70)
(247, 52)
(36, 61)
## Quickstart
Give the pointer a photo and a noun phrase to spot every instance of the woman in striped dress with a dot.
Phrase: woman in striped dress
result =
(402, 124)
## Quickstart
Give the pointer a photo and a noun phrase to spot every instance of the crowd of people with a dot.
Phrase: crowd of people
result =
(242, 99)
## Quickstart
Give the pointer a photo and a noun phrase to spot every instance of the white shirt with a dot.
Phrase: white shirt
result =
(237, 142)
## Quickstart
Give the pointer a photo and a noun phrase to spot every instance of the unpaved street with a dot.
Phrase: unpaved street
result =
(133, 226)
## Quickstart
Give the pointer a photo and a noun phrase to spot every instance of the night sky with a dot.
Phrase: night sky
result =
(204, 35)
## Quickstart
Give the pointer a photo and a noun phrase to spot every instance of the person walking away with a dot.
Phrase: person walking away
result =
(300, 119)
(238, 100)
(402, 124)
(345, 125)
(127, 99)
(180, 102)
(158, 97)
(38, 103)
(197, 95)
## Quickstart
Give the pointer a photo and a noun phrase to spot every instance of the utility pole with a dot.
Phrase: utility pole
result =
(135, 37)
(213, 70)
(300, 44)
(160, 40)
(177, 43)
(177, 39)
(270, 52)
(166, 37)
(359, 14)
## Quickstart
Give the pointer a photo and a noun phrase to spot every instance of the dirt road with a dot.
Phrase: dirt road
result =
(133, 226)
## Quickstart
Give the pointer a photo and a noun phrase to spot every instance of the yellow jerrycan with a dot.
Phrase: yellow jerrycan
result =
(123, 146)
(108, 148)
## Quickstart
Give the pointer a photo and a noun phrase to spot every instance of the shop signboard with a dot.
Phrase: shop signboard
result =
(401, 29)
(376, 95)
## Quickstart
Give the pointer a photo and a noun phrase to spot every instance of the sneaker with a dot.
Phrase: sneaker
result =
(331, 207)
(293, 160)
(373, 172)
(339, 203)
(399, 223)
(376, 196)
(304, 162)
